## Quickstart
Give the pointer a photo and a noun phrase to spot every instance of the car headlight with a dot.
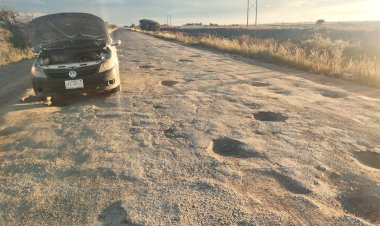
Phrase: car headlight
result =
(104, 56)
(107, 61)
(38, 72)
(106, 66)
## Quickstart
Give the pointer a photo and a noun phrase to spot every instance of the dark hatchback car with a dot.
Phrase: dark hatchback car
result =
(76, 55)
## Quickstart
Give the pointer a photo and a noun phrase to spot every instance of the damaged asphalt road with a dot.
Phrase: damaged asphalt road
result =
(194, 138)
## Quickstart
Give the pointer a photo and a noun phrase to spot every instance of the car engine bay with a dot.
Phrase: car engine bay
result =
(70, 57)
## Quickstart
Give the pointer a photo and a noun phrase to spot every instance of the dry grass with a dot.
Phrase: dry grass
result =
(12, 45)
(10, 54)
(317, 54)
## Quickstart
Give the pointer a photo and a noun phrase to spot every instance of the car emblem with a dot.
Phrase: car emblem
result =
(72, 74)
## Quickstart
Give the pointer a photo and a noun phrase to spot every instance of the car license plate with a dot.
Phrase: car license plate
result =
(74, 84)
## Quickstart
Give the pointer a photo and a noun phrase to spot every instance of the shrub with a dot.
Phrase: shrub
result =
(149, 25)
(112, 26)
(13, 44)
(14, 22)
(320, 22)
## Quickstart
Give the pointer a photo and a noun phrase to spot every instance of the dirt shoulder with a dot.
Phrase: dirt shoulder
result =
(14, 80)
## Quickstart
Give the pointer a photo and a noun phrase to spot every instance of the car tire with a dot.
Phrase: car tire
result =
(46, 99)
(117, 89)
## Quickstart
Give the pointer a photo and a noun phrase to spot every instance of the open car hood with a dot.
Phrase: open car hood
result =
(53, 30)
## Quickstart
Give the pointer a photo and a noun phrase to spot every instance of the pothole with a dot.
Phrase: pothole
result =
(270, 117)
(368, 158)
(233, 148)
(185, 60)
(159, 106)
(169, 83)
(107, 116)
(332, 94)
(260, 84)
(231, 99)
(252, 105)
(9, 131)
(288, 183)
(196, 56)
(80, 157)
(146, 66)
(362, 202)
(282, 92)
(173, 133)
(115, 214)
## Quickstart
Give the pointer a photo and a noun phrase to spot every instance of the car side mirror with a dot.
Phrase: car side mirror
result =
(36, 49)
(116, 43)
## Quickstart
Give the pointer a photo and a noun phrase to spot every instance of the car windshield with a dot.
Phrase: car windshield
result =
(201, 112)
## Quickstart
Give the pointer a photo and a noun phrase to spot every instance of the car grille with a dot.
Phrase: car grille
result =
(64, 73)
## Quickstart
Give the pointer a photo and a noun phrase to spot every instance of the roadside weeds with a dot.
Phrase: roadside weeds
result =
(318, 55)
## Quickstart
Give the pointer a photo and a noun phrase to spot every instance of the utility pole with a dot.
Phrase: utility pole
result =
(257, 6)
(249, 6)
(169, 20)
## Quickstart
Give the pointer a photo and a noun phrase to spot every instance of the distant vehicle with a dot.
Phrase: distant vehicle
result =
(76, 55)
(149, 25)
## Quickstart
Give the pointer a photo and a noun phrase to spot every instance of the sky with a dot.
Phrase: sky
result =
(126, 12)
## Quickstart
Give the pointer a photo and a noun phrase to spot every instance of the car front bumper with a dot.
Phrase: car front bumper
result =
(48, 87)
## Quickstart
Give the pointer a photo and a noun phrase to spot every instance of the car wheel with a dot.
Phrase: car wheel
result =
(115, 90)
(46, 99)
